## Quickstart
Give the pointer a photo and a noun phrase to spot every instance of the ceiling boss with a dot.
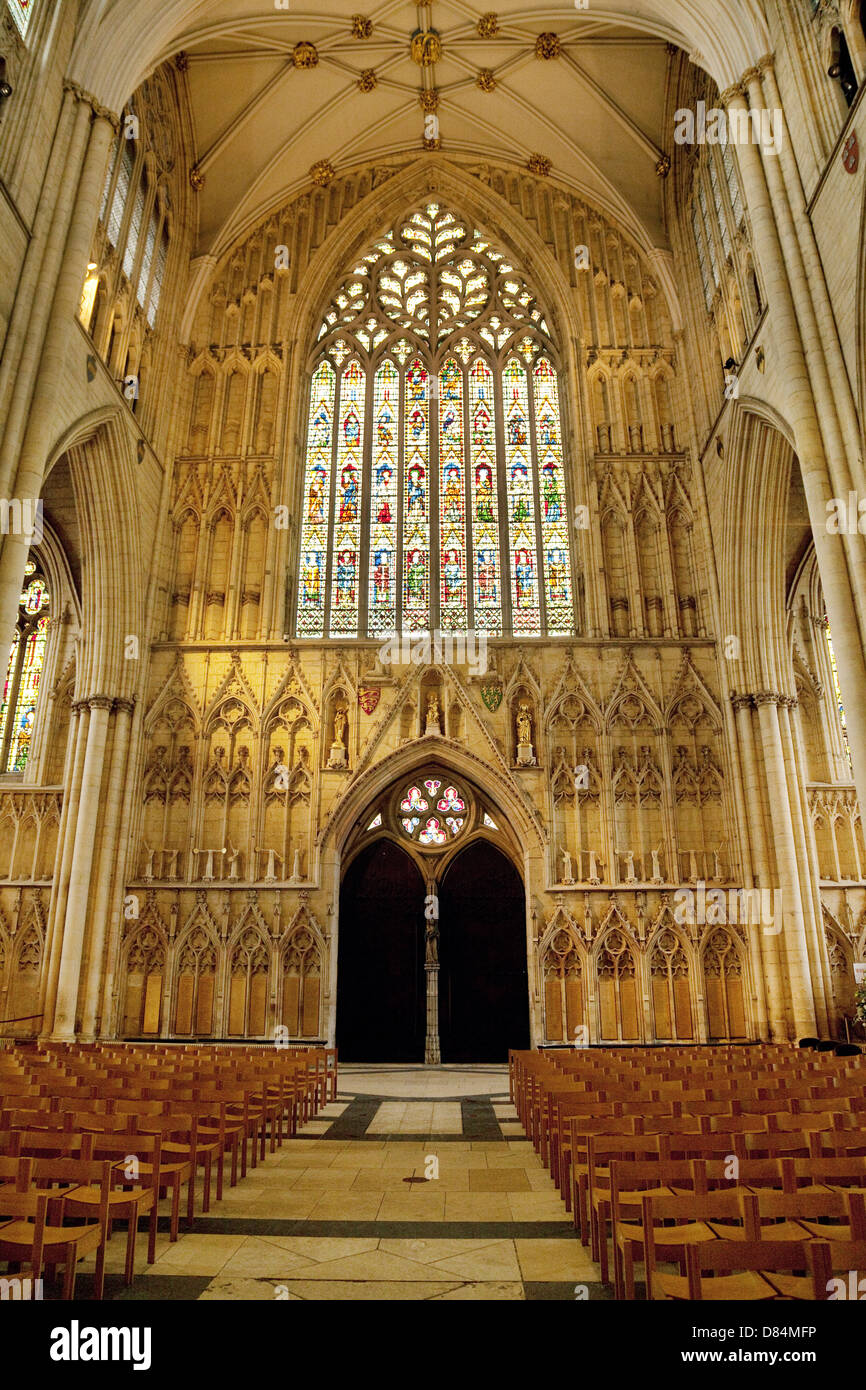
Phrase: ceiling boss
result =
(426, 47)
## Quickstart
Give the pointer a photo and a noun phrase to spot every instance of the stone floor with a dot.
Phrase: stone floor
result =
(333, 1215)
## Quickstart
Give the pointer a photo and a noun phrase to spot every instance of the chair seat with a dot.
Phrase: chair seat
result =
(167, 1170)
(20, 1235)
(832, 1230)
(92, 1196)
(792, 1285)
(727, 1288)
(782, 1230)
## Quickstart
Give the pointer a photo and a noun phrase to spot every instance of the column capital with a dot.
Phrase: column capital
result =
(732, 93)
(101, 112)
(768, 697)
(742, 702)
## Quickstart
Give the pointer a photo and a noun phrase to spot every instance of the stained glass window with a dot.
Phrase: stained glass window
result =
(416, 505)
(520, 477)
(452, 499)
(554, 526)
(314, 527)
(485, 500)
(23, 673)
(134, 232)
(838, 694)
(432, 816)
(347, 522)
(435, 435)
(21, 13)
(383, 503)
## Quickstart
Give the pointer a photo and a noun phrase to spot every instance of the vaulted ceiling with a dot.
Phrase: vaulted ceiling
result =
(277, 90)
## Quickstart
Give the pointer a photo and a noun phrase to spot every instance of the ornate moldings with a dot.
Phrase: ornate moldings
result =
(305, 55)
(548, 46)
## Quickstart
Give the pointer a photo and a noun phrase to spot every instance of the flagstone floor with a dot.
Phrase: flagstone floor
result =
(331, 1215)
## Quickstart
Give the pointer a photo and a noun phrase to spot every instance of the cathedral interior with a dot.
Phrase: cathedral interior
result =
(424, 469)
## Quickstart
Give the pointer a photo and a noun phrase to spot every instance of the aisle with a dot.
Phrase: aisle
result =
(414, 1184)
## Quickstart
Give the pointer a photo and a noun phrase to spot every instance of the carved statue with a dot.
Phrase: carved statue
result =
(433, 713)
(431, 939)
(524, 724)
(172, 862)
(234, 856)
(151, 855)
(296, 867)
(567, 876)
(271, 871)
(657, 869)
(340, 725)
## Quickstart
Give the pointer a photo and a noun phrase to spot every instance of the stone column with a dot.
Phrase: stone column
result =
(432, 1050)
(111, 817)
(803, 416)
(794, 927)
(764, 950)
(26, 447)
(81, 874)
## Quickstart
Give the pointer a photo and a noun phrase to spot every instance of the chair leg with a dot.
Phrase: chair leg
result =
(99, 1275)
(175, 1208)
(69, 1273)
(132, 1232)
(152, 1229)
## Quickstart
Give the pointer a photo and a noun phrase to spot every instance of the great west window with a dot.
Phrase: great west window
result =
(434, 488)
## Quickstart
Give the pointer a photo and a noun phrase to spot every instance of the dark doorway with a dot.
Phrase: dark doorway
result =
(380, 976)
(483, 987)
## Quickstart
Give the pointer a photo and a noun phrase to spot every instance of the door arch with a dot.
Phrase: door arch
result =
(483, 983)
(380, 969)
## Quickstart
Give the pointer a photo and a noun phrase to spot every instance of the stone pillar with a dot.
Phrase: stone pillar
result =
(32, 421)
(764, 950)
(111, 817)
(803, 415)
(81, 874)
(794, 927)
(432, 1051)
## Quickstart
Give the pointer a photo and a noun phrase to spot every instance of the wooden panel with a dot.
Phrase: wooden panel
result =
(152, 1002)
(607, 1008)
(183, 1015)
(683, 1008)
(736, 1008)
(310, 1014)
(132, 1005)
(237, 1006)
(661, 1007)
(204, 1011)
(628, 1004)
(553, 1010)
(715, 1008)
(291, 1002)
(573, 1006)
(258, 1005)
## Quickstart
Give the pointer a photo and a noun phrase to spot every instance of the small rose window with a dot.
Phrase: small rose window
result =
(432, 812)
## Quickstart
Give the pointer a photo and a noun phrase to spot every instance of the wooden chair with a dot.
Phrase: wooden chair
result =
(86, 1195)
(740, 1269)
(142, 1153)
(28, 1237)
(694, 1216)
(838, 1269)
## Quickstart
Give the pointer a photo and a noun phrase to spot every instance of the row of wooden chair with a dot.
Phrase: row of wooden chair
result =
(657, 1155)
(97, 1134)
